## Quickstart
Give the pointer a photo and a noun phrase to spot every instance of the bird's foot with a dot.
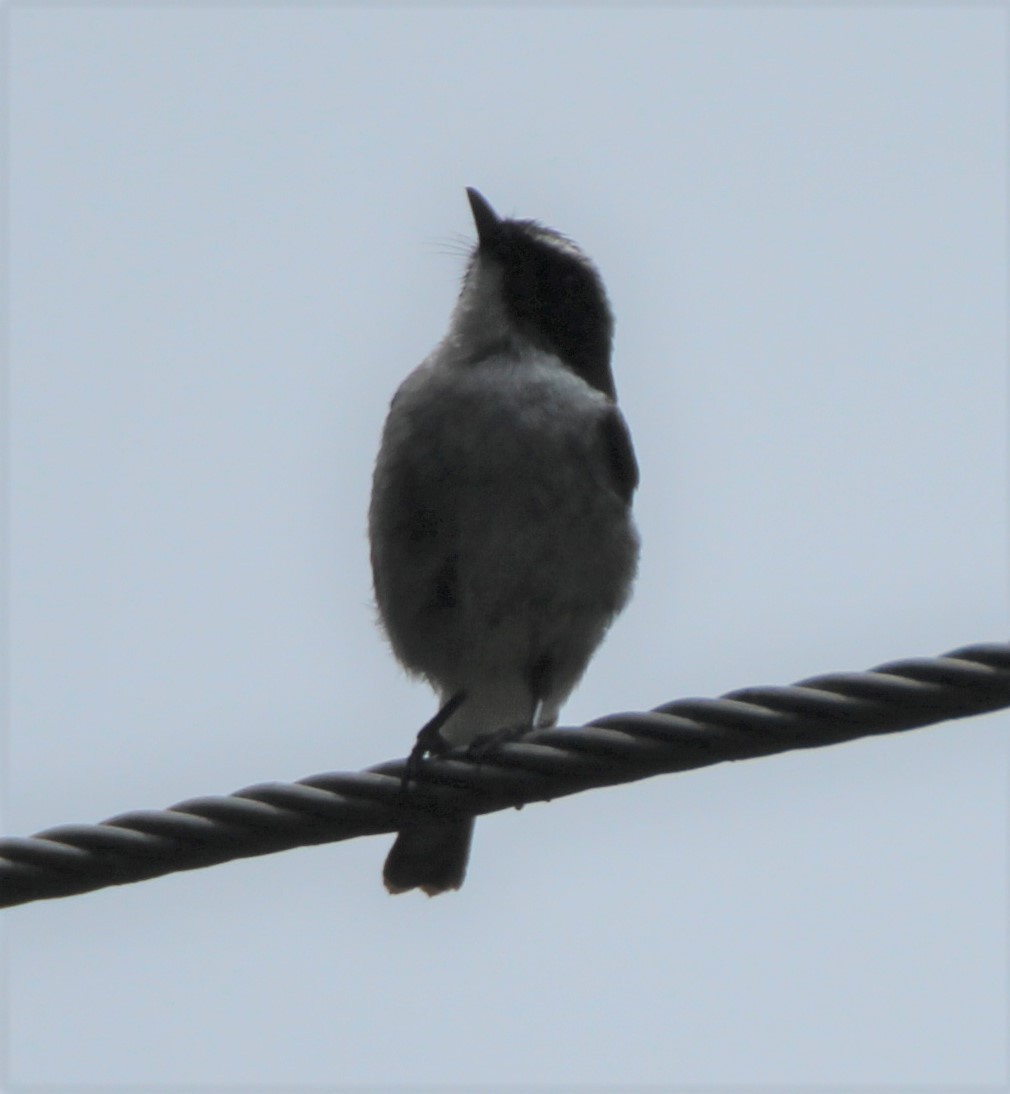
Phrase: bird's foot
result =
(486, 744)
(430, 740)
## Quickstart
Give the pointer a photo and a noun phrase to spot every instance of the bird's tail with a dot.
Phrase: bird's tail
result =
(430, 856)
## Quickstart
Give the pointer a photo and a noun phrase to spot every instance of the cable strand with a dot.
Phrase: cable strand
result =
(546, 764)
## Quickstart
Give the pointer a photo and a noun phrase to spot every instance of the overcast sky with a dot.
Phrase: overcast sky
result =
(233, 230)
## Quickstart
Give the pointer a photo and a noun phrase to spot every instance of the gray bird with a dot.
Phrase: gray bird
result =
(502, 541)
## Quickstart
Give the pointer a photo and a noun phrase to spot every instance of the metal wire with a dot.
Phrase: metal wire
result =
(546, 764)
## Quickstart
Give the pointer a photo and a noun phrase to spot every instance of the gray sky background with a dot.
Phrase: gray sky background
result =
(232, 232)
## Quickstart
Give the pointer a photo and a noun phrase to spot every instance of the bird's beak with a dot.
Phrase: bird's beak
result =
(484, 217)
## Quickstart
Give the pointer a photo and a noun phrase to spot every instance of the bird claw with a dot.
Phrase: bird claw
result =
(486, 744)
(430, 741)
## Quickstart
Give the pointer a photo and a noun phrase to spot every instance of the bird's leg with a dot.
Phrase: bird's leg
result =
(430, 739)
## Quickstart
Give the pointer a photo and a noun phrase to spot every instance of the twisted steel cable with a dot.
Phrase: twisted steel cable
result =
(545, 764)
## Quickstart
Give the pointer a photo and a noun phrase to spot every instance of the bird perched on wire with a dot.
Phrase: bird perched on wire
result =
(502, 542)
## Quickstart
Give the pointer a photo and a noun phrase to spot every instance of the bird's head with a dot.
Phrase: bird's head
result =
(529, 283)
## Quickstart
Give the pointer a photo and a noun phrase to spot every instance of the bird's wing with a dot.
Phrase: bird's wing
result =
(619, 454)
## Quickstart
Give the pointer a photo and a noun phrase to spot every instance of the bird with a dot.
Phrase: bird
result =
(501, 534)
